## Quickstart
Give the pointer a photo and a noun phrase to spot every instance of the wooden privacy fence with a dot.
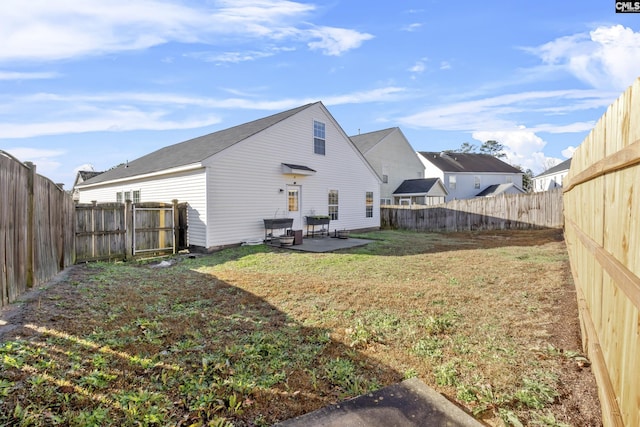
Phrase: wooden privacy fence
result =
(36, 228)
(504, 212)
(602, 212)
(109, 231)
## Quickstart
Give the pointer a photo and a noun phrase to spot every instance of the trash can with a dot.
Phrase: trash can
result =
(297, 236)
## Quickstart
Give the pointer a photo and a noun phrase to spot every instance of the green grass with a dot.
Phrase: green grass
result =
(253, 335)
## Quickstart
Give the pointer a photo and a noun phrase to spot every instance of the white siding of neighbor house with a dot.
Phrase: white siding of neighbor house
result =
(185, 187)
(394, 157)
(549, 182)
(244, 181)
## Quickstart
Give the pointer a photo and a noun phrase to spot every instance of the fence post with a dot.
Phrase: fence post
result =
(176, 225)
(30, 222)
(129, 230)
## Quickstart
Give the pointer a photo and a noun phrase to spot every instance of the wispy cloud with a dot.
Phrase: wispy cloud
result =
(26, 75)
(46, 31)
(412, 27)
(126, 111)
(335, 41)
(502, 112)
(606, 58)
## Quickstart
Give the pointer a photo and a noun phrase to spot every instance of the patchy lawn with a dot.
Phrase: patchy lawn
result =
(254, 335)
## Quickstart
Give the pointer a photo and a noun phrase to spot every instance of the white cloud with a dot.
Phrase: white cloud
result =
(20, 75)
(418, 67)
(506, 112)
(44, 30)
(606, 58)
(45, 159)
(336, 41)
(522, 147)
(84, 167)
(122, 111)
(115, 120)
(445, 65)
(568, 152)
(412, 27)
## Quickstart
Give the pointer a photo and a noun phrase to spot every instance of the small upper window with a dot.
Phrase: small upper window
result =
(452, 182)
(385, 179)
(119, 197)
(476, 182)
(136, 196)
(318, 137)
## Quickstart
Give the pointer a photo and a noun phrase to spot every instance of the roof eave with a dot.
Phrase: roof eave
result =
(179, 169)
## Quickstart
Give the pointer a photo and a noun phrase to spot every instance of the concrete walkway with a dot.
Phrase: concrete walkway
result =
(410, 403)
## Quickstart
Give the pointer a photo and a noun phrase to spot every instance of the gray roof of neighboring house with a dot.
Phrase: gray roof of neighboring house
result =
(564, 166)
(366, 141)
(496, 189)
(468, 162)
(194, 150)
(416, 186)
(85, 175)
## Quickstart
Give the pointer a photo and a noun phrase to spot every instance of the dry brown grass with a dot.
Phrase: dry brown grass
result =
(488, 319)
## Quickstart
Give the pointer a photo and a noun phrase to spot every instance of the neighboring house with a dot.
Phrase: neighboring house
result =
(466, 174)
(421, 191)
(81, 177)
(498, 189)
(552, 177)
(292, 164)
(392, 157)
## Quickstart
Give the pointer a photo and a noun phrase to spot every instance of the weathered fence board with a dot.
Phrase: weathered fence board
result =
(521, 211)
(100, 232)
(36, 228)
(602, 211)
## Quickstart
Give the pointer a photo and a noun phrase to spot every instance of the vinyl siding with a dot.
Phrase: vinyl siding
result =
(185, 187)
(244, 181)
(393, 156)
(465, 183)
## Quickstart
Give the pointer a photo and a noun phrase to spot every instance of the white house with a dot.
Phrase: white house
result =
(390, 154)
(552, 177)
(420, 191)
(291, 164)
(466, 175)
(81, 177)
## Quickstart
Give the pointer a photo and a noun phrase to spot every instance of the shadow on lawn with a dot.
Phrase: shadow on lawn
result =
(134, 345)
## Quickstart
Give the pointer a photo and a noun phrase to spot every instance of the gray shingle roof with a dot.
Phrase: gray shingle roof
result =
(557, 168)
(416, 186)
(194, 150)
(366, 141)
(468, 162)
(85, 175)
(495, 189)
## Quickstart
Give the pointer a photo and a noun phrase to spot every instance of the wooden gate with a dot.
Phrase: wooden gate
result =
(112, 231)
(154, 228)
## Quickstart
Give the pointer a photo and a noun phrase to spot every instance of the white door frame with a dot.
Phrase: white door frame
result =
(296, 215)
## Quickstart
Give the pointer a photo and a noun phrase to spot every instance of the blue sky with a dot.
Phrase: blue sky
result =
(94, 83)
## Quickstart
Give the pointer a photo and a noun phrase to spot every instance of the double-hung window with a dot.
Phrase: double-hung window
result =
(452, 182)
(368, 204)
(333, 205)
(319, 138)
